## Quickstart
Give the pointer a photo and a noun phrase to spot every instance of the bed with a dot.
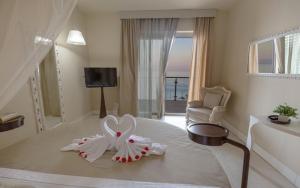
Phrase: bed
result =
(185, 162)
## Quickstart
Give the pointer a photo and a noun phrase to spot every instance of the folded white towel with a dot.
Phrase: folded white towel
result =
(8, 116)
(158, 149)
(91, 148)
(129, 147)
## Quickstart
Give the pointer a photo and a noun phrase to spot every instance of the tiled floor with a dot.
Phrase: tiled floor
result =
(261, 174)
(52, 121)
(178, 106)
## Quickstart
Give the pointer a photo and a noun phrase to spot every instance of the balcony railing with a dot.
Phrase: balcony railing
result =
(176, 93)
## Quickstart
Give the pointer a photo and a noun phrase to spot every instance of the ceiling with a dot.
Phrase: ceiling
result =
(131, 5)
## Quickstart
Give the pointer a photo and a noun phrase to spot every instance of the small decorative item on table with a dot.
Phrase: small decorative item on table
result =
(284, 113)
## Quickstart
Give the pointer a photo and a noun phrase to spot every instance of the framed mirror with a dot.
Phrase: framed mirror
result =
(46, 84)
(277, 56)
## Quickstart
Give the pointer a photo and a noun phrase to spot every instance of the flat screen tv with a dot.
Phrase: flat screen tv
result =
(100, 77)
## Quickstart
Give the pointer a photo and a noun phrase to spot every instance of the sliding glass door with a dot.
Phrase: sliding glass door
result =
(177, 75)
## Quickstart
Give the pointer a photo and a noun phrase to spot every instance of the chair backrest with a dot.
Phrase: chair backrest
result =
(217, 90)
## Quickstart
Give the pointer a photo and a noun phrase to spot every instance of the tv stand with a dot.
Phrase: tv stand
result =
(102, 113)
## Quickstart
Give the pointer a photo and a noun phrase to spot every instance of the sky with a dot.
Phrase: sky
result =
(180, 57)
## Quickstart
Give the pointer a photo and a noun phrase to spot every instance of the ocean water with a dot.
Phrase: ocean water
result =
(181, 90)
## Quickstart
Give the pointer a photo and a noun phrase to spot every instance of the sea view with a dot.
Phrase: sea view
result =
(182, 87)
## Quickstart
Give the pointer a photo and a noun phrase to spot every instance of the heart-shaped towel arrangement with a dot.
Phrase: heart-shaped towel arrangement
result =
(128, 147)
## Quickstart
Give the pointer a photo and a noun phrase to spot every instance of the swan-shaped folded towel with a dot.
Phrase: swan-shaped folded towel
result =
(91, 148)
(129, 147)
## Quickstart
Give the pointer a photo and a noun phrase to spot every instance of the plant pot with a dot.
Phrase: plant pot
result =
(283, 118)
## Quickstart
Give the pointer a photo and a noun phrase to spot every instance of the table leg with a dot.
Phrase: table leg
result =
(246, 161)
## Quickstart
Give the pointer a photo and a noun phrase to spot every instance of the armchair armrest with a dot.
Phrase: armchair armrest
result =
(217, 114)
(195, 104)
(217, 109)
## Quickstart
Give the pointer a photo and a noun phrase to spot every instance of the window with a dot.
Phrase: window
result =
(266, 57)
(177, 74)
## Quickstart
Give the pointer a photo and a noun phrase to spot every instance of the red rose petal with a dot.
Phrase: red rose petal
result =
(129, 159)
(119, 134)
(143, 152)
(146, 148)
(83, 154)
(137, 157)
(131, 140)
(123, 159)
(117, 158)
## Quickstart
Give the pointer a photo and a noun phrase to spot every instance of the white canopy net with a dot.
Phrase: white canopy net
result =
(26, 34)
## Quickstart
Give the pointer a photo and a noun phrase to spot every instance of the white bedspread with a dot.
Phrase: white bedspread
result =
(12, 178)
(185, 162)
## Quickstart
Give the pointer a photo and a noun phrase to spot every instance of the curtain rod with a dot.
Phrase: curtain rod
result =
(167, 14)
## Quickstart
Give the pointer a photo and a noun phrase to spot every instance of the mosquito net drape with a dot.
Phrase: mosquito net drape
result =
(26, 31)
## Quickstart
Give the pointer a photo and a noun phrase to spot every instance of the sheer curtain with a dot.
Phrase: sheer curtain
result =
(199, 75)
(21, 23)
(253, 58)
(292, 54)
(154, 46)
(279, 55)
(145, 49)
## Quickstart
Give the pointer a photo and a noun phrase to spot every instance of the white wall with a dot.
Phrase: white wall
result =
(247, 21)
(104, 40)
(73, 59)
(217, 53)
(22, 103)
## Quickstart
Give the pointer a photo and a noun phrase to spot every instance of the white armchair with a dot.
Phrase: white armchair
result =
(199, 111)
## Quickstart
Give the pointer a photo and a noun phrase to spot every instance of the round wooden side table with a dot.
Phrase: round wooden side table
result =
(215, 135)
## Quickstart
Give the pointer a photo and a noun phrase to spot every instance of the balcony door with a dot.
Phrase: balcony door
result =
(177, 74)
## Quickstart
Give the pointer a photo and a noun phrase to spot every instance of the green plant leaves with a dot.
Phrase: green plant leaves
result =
(286, 110)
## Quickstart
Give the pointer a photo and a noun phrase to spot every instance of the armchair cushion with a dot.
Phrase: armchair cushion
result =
(211, 100)
(195, 104)
(198, 114)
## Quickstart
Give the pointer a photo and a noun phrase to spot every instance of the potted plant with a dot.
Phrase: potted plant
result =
(285, 112)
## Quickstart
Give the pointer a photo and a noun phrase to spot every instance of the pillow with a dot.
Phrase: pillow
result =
(211, 100)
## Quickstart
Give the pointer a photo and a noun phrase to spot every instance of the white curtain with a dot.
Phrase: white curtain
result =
(156, 36)
(253, 59)
(21, 22)
(200, 75)
(292, 54)
(279, 55)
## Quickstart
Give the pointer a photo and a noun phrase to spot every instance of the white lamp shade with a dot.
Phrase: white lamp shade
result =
(75, 37)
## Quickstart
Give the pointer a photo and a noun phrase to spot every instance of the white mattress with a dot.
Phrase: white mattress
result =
(23, 179)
